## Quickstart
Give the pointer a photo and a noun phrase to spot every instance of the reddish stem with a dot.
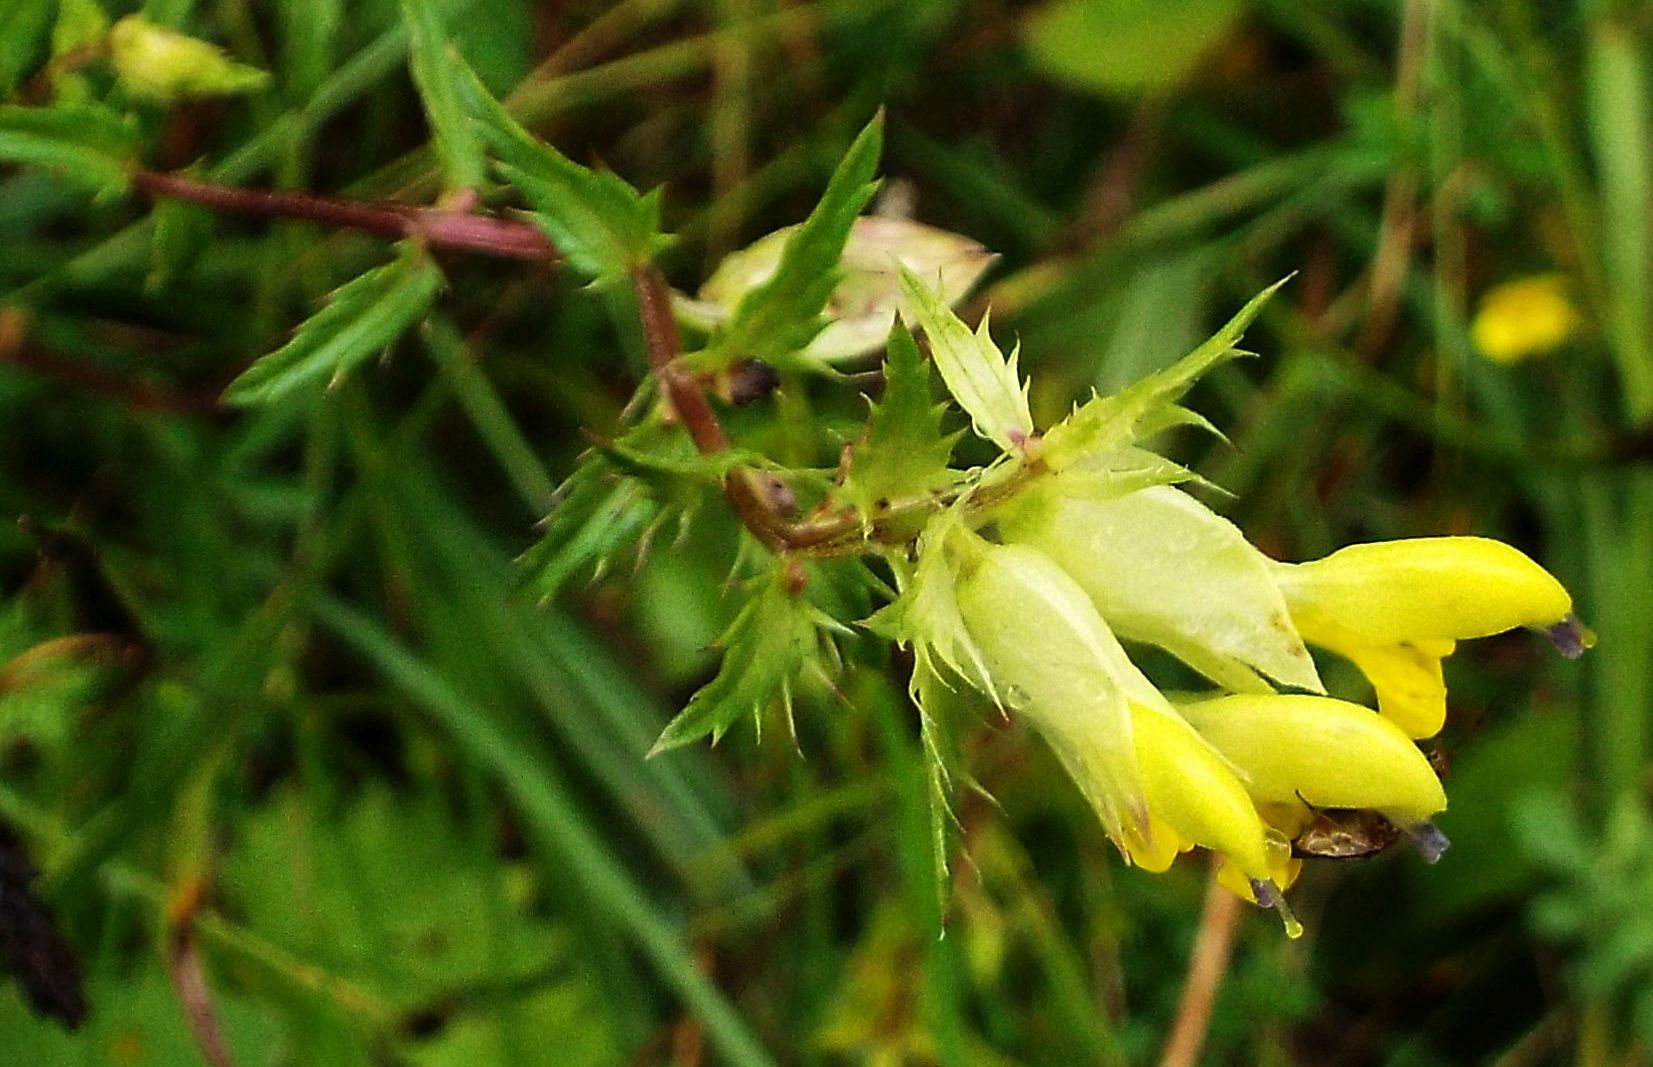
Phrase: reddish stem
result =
(455, 228)
(139, 394)
(436, 226)
(683, 392)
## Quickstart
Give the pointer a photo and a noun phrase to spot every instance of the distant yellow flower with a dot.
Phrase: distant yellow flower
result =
(1397, 608)
(1524, 318)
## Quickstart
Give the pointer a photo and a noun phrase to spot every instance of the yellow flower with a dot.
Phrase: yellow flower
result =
(1321, 752)
(1158, 787)
(1300, 752)
(1193, 798)
(1523, 318)
(1397, 608)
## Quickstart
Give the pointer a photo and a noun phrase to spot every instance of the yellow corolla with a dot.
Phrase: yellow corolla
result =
(1193, 798)
(1397, 608)
(1523, 318)
(1159, 788)
(1300, 752)
(1322, 752)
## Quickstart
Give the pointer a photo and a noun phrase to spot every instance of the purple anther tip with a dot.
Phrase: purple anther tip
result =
(1571, 637)
(1428, 840)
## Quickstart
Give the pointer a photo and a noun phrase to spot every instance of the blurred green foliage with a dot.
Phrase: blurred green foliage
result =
(280, 659)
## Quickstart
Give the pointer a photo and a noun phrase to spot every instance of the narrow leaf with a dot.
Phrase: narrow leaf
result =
(432, 62)
(1109, 422)
(309, 35)
(653, 464)
(361, 318)
(81, 143)
(984, 383)
(783, 315)
(182, 232)
(905, 453)
(599, 223)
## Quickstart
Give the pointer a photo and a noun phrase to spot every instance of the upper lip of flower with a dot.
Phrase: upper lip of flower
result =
(1397, 608)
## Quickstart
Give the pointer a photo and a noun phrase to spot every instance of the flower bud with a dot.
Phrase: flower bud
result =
(1324, 752)
(155, 63)
(1052, 658)
(863, 305)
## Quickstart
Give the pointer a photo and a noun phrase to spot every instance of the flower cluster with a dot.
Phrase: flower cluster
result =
(1080, 539)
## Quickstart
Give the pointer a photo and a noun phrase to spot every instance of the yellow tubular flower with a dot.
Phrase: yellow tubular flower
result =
(1193, 793)
(1324, 752)
(1396, 608)
(1157, 786)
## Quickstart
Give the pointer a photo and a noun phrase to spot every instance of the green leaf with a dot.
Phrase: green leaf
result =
(1106, 423)
(405, 939)
(600, 513)
(80, 143)
(905, 453)
(679, 465)
(138, 1022)
(783, 315)
(44, 683)
(361, 318)
(23, 25)
(985, 384)
(1127, 47)
(432, 61)
(601, 225)
(766, 649)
